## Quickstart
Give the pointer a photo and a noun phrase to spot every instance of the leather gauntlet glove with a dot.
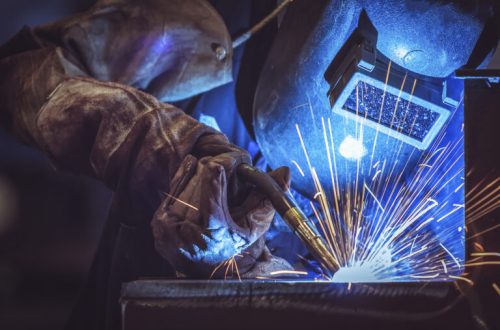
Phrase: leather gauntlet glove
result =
(198, 230)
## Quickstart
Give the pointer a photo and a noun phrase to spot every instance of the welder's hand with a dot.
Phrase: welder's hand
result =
(198, 230)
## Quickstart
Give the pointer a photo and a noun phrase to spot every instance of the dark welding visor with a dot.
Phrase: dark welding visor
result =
(366, 87)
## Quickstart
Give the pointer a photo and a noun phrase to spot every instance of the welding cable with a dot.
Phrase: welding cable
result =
(260, 25)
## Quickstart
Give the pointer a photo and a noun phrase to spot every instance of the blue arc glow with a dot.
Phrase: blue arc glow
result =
(352, 149)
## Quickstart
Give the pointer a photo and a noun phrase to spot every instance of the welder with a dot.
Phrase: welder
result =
(91, 92)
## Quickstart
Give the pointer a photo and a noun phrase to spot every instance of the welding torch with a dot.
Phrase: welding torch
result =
(285, 206)
(288, 209)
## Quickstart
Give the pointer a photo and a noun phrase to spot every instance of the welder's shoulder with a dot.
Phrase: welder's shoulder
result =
(21, 42)
(133, 42)
(30, 69)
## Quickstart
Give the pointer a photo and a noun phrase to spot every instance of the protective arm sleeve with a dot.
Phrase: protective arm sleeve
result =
(123, 136)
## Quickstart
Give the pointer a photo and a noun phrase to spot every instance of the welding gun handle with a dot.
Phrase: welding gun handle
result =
(266, 185)
(291, 214)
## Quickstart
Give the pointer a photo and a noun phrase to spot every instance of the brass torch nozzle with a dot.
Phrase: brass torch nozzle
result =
(293, 216)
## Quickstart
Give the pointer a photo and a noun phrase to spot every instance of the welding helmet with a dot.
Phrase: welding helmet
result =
(312, 72)
(171, 49)
(356, 100)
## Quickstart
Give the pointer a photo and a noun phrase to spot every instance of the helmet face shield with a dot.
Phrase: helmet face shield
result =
(363, 89)
(395, 112)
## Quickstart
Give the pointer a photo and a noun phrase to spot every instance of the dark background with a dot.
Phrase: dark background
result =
(50, 222)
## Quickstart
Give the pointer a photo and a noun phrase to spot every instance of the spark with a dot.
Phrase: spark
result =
(444, 266)
(450, 213)
(399, 98)
(423, 224)
(461, 278)
(451, 255)
(303, 145)
(479, 246)
(218, 267)
(483, 199)
(374, 198)
(484, 263)
(382, 107)
(376, 174)
(496, 288)
(298, 168)
(484, 232)
(231, 267)
(182, 202)
(311, 110)
(458, 188)
(425, 276)
(235, 267)
(485, 254)
(288, 272)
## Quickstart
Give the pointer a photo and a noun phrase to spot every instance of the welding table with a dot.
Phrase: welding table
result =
(216, 304)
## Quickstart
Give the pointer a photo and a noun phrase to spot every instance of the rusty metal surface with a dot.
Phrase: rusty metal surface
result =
(374, 300)
(191, 304)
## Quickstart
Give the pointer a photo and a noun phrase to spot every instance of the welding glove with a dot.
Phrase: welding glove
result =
(198, 230)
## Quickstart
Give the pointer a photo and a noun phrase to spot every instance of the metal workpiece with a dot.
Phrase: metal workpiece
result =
(323, 290)
(176, 304)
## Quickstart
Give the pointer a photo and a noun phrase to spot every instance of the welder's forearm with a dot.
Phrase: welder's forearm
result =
(104, 129)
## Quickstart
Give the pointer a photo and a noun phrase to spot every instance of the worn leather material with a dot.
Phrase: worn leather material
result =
(166, 48)
(197, 230)
(73, 90)
(61, 100)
